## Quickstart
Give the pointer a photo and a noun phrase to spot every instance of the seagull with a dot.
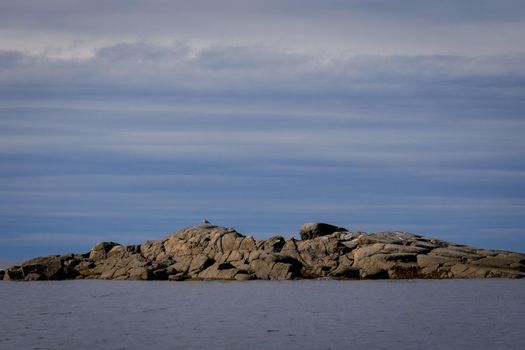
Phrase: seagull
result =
(205, 221)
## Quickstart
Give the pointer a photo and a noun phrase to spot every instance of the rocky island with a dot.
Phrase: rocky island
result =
(208, 252)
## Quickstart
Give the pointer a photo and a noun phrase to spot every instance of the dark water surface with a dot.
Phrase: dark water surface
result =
(457, 314)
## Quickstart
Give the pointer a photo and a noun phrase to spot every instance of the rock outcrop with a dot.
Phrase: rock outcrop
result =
(317, 229)
(208, 252)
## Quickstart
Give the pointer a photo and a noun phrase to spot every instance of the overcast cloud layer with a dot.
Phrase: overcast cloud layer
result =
(124, 123)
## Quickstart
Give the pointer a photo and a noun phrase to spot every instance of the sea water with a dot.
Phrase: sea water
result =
(422, 314)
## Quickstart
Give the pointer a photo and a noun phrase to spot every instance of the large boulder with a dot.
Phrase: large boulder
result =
(198, 264)
(45, 268)
(316, 229)
(219, 272)
(139, 273)
(213, 241)
(276, 267)
(99, 251)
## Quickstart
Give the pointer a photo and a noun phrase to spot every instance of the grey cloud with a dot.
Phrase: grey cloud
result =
(255, 70)
(142, 53)
(248, 58)
(443, 11)
(378, 26)
(78, 13)
(9, 59)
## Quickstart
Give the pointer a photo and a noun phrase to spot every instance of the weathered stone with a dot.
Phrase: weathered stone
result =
(117, 251)
(228, 242)
(393, 237)
(85, 268)
(261, 268)
(284, 258)
(350, 245)
(240, 265)
(403, 249)
(283, 271)
(404, 271)
(241, 276)
(254, 255)
(345, 268)
(215, 273)
(517, 258)
(455, 252)
(69, 265)
(273, 244)
(107, 273)
(349, 236)
(134, 248)
(290, 249)
(140, 273)
(247, 244)
(132, 266)
(275, 268)
(235, 256)
(197, 240)
(99, 251)
(346, 272)
(468, 271)
(14, 273)
(312, 251)
(424, 244)
(368, 250)
(380, 265)
(199, 263)
(322, 268)
(290, 245)
(173, 246)
(498, 261)
(33, 276)
(221, 257)
(159, 264)
(431, 261)
(315, 229)
(2, 273)
(182, 264)
(372, 266)
(47, 267)
(153, 250)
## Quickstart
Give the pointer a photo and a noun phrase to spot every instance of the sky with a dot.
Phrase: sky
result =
(127, 121)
